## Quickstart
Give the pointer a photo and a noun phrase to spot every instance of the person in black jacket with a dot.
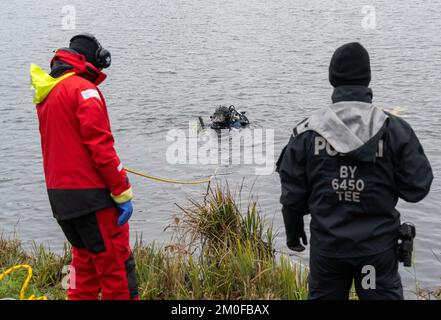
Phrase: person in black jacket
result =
(347, 165)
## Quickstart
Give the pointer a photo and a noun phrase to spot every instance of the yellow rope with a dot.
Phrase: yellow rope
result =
(170, 180)
(25, 284)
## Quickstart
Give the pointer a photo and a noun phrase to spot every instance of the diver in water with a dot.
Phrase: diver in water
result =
(226, 118)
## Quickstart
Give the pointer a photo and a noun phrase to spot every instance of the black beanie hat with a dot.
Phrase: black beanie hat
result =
(350, 65)
(85, 46)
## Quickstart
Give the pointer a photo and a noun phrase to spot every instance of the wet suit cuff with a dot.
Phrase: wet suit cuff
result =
(123, 197)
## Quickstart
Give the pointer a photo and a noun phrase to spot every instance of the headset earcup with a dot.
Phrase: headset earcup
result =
(104, 59)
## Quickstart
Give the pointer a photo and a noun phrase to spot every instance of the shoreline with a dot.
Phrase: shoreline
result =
(217, 251)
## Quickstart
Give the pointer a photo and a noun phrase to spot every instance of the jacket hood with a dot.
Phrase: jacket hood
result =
(353, 128)
(67, 58)
(64, 64)
(43, 83)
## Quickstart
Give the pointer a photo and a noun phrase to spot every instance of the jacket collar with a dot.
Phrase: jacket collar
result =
(352, 93)
(67, 60)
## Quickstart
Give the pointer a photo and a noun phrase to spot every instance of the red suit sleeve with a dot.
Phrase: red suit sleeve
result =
(98, 139)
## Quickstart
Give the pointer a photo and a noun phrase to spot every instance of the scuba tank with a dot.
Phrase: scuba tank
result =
(238, 116)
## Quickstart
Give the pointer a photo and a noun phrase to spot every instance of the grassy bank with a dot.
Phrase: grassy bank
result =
(217, 251)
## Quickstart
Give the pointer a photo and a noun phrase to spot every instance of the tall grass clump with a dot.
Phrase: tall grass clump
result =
(220, 252)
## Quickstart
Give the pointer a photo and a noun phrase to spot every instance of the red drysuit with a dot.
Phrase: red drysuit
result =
(84, 176)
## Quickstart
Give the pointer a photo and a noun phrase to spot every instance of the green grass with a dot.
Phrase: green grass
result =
(217, 251)
(47, 270)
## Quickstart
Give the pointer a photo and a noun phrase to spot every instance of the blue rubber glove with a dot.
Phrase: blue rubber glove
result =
(125, 212)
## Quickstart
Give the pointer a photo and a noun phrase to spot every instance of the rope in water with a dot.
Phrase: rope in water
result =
(25, 284)
(144, 175)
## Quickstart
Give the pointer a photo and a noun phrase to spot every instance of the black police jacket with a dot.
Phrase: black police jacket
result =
(347, 165)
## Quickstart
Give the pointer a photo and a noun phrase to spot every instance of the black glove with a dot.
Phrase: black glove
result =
(295, 230)
(295, 245)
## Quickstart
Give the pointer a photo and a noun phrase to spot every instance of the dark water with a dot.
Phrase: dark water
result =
(176, 60)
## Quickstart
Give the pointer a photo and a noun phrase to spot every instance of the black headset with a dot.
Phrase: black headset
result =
(102, 56)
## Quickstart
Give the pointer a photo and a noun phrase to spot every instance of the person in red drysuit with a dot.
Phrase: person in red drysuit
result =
(88, 189)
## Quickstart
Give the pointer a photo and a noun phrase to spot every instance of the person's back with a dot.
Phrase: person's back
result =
(64, 152)
(347, 165)
(88, 188)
